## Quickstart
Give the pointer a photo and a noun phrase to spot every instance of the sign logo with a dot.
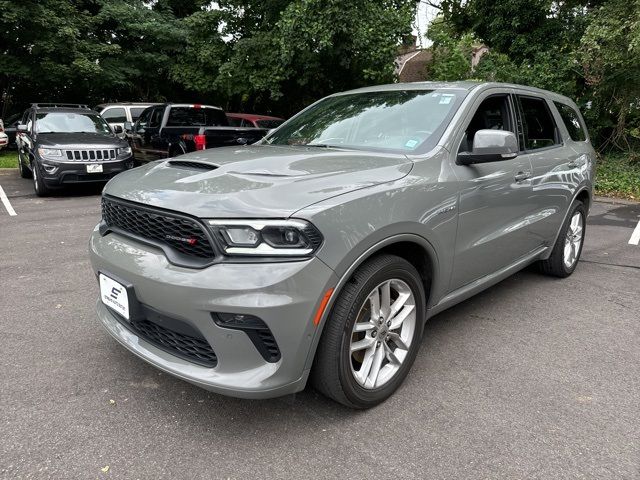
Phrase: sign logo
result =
(115, 292)
(190, 241)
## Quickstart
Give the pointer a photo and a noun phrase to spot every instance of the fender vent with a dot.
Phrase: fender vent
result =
(192, 165)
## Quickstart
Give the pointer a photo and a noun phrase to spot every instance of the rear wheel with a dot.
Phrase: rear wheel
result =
(372, 335)
(38, 183)
(566, 252)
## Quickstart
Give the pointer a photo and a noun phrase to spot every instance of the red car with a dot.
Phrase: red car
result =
(252, 120)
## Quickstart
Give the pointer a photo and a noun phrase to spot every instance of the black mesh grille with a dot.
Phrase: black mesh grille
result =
(192, 165)
(182, 234)
(194, 349)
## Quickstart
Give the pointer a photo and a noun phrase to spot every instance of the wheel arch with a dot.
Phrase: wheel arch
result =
(415, 249)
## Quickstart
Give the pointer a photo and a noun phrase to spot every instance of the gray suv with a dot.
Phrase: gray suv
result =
(320, 252)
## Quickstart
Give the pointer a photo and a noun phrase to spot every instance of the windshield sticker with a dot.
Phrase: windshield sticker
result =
(411, 144)
(445, 99)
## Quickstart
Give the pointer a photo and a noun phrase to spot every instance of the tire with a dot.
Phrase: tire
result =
(572, 232)
(340, 373)
(41, 189)
(24, 172)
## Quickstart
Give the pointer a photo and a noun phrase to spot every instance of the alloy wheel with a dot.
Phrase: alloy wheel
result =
(573, 240)
(383, 333)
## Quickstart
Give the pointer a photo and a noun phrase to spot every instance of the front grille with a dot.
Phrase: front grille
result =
(182, 234)
(191, 348)
(91, 155)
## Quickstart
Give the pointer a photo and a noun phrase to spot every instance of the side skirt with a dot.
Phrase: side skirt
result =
(485, 282)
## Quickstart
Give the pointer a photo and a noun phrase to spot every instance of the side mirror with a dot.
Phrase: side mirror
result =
(117, 129)
(490, 146)
(22, 128)
(128, 126)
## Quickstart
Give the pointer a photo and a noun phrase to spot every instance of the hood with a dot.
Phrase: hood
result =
(79, 140)
(255, 181)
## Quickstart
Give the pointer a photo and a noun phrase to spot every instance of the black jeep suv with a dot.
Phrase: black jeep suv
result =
(61, 144)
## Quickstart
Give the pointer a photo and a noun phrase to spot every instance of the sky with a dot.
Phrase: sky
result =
(424, 15)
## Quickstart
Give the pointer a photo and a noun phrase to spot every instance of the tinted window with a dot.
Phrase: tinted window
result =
(115, 115)
(135, 112)
(494, 113)
(571, 120)
(156, 117)
(63, 122)
(396, 120)
(538, 127)
(143, 120)
(246, 123)
(269, 123)
(234, 122)
(196, 117)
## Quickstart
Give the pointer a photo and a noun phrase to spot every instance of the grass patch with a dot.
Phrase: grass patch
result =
(8, 159)
(618, 176)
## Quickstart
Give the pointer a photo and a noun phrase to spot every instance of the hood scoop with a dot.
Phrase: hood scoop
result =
(192, 165)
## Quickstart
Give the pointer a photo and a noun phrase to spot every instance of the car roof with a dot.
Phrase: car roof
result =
(253, 116)
(462, 85)
(128, 104)
(63, 110)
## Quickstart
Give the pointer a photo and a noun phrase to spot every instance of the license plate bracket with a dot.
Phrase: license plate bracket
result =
(119, 296)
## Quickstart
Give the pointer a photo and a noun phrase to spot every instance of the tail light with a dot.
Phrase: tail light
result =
(200, 141)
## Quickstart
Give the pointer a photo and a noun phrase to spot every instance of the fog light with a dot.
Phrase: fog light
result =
(50, 168)
(238, 320)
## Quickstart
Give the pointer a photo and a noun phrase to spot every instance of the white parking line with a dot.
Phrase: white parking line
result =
(7, 203)
(635, 236)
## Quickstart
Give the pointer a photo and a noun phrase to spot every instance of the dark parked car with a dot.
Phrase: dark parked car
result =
(253, 120)
(10, 126)
(172, 129)
(64, 144)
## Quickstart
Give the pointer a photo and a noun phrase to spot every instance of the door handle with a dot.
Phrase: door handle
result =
(522, 176)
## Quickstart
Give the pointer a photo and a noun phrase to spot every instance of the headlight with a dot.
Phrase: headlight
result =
(270, 238)
(124, 152)
(52, 153)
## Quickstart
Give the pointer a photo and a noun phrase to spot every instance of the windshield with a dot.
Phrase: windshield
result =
(396, 120)
(71, 122)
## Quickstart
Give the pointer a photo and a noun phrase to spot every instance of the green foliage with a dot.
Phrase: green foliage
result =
(8, 159)
(618, 176)
(451, 58)
(258, 54)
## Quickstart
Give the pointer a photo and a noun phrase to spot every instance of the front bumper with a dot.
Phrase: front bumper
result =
(284, 295)
(67, 173)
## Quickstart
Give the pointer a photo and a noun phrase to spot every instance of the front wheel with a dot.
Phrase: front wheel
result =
(24, 172)
(41, 188)
(566, 252)
(373, 333)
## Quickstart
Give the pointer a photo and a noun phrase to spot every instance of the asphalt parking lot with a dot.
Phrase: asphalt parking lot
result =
(535, 378)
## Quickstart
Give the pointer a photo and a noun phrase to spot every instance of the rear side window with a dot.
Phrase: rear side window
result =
(538, 127)
(135, 112)
(115, 115)
(156, 117)
(571, 120)
(196, 117)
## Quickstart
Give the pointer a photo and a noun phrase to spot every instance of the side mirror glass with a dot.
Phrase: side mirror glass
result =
(21, 128)
(128, 126)
(490, 146)
(117, 129)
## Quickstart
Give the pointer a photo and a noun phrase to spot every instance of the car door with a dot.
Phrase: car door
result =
(136, 136)
(556, 166)
(494, 199)
(154, 145)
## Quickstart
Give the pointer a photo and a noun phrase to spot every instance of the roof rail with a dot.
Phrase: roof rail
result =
(61, 105)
